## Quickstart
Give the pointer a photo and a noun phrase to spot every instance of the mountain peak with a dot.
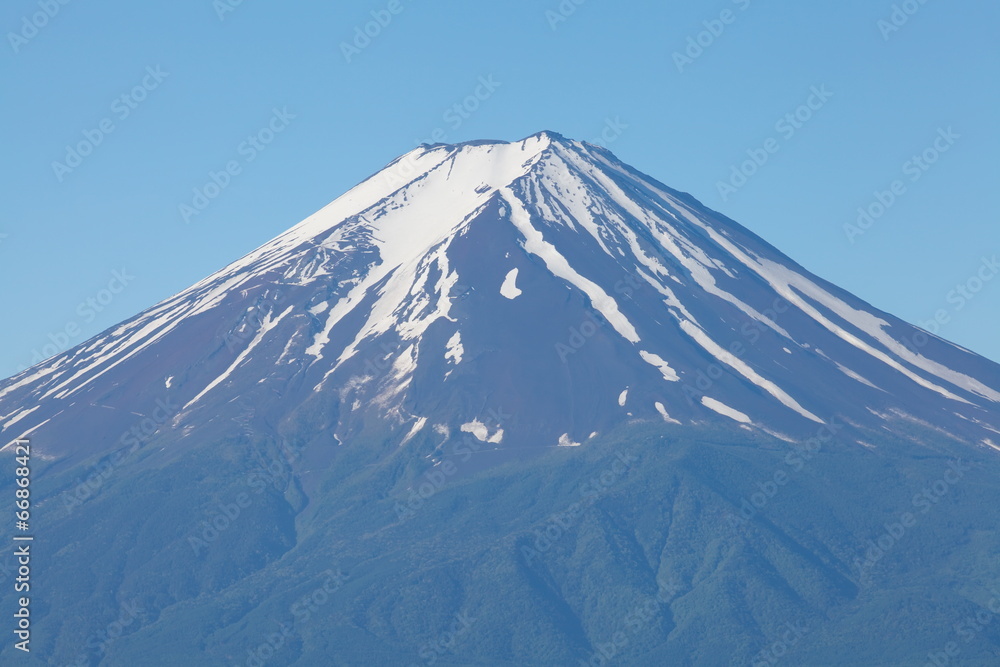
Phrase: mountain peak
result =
(550, 136)
(543, 137)
(540, 275)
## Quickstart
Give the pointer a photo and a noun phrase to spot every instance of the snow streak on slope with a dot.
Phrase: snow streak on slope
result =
(669, 374)
(743, 369)
(725, 410)
(535, 244)
(268, 324)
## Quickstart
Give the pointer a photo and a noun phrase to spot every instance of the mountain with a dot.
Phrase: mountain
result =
(510, 403)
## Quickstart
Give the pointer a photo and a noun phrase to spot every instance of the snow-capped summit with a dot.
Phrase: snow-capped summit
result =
(532, 294)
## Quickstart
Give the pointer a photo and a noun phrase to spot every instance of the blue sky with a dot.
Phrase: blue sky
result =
(164, 94)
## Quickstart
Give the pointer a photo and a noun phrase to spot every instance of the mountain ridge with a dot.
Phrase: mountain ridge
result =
(528, 384)
(376, 270)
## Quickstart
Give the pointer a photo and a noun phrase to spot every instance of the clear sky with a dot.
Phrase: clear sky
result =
(163, 94)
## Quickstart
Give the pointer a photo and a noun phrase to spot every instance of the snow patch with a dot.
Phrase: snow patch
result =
(564, 441)
(405, 363)
(482, 432)
(454, 350)
(413, 431)
(509, 288)
(724, 410)
(663, 413)
(777, 434)
(669, 374)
